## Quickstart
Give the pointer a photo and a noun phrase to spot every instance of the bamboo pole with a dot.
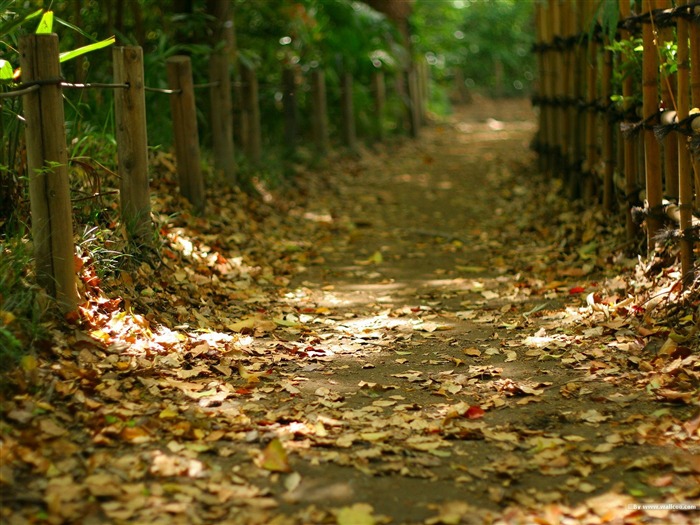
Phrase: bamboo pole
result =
(182, 105)
(578, 89)
(608, 138)
(47, 164)
(685, 183)
(591, 100)
(549, 57)
(567, 90)
(670, 142)
(251, 102)
(320, 110)
(540, 87)
(132, 142)
(650, 95)
(559, 91)
(630, 144)
(695, 91)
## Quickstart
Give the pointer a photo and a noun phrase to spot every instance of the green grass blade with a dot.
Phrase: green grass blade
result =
(45, 24)
(68, 55)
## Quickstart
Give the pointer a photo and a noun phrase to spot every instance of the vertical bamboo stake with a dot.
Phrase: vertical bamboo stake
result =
(577, 88)
(183, 108)
(670, 142)
(320, 110)
(592, 102)
(685, 183)
(289, 102)
(650, 94)
(566, 73)
(347, 110)
(379, 93)
(541, 89)
(559, 90)
(629, 145)
(608, 140)
(253, 138)
(47, 163)
(695, 92)
(132, 142)
(221, 117)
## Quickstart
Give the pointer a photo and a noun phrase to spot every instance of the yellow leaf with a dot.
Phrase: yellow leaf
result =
(167, 413)
(274, 457)
(358, 514)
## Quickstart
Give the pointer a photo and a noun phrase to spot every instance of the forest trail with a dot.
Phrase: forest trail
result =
(407, 341)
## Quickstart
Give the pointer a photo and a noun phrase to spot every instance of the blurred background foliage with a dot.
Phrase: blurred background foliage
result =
(471, 45)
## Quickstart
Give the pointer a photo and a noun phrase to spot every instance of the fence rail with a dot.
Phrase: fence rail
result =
(641, 152)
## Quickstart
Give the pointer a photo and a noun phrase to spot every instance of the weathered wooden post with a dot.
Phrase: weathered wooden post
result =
(347, 110)
(320, 110)
(253, 139)
(379, 93)
(182, 105)
(221, 117)
(47, 163)
(132, 144)
(289, 103)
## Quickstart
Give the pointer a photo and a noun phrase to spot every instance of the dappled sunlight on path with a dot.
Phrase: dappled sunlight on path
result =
(408, 340)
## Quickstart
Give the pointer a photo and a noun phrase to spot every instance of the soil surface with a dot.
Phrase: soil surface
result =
(437, 354)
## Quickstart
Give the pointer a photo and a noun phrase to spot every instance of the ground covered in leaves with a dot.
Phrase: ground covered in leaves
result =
(425, 333)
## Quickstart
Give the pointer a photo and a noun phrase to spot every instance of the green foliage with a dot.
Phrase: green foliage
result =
(21, 302)
(489, 40)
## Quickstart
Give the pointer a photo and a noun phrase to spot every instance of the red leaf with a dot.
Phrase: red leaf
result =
(474, 412)
(576, 289)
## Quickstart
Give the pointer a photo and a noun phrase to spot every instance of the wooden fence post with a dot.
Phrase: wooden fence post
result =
(347, 110)
(253, 139)
(289, 102)
(183, 108)
(47, 163)
(379, 93)
(221, 118)
(320, 110)
(650, 95)
(132, 144)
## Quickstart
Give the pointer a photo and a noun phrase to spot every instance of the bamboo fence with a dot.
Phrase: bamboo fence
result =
(601, 112)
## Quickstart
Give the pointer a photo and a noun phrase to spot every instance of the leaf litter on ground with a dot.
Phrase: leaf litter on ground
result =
(528, 368)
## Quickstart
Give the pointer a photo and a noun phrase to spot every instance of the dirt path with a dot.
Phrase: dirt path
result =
(412, 345)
